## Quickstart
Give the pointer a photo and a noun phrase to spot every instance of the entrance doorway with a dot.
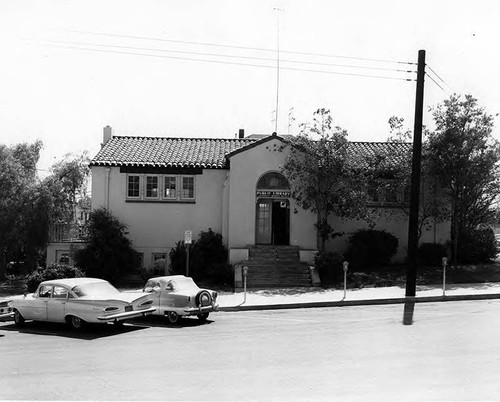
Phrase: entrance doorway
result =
(273, 222)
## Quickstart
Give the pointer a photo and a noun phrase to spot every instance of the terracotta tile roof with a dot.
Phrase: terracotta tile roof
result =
(393, 151)
(206, 152)
(167, 152)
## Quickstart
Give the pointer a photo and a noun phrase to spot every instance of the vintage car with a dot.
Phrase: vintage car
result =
(77, 301)
(178, 296)
(6, 313)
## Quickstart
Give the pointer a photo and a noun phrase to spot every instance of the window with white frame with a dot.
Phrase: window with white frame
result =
(374, 195)
(392, 193)
(187, 187)
(133, 186)
(159, 262)
(152, 187)
(145, 187)
(170, 187)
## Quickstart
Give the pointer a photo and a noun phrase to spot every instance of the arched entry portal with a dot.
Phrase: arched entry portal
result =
(272, 216)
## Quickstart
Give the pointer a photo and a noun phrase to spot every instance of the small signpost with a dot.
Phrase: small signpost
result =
(188, 238)
(346, 267)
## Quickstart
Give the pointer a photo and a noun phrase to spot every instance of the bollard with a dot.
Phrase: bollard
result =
(346, 266)
(245, 272)
(445, 263)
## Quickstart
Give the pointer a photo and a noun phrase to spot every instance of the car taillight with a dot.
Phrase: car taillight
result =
(111, 308)
(146, 303)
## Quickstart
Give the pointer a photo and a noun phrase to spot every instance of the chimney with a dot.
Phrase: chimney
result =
(107, 134)
(241, 133)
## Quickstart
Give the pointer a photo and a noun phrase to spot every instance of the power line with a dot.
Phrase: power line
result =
(435, 82)
(438, 77)
(242, 47)
(233, 63)
(233, 56)
(430, 68)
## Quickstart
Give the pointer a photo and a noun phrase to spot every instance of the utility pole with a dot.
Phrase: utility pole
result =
(411, 272)
(278, 11)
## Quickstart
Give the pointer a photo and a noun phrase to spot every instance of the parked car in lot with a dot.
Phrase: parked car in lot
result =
(77, 301)
(6, 313)
(177, 296)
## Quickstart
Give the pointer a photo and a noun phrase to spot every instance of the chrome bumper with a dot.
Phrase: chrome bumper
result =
(201, 310)
(126, 315)
(7, 316)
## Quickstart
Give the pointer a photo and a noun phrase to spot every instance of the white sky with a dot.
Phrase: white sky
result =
(66, 96)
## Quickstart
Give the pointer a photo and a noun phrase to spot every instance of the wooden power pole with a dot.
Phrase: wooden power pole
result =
(411, 272)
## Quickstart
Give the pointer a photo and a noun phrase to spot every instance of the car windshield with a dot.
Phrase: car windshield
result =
(184, 284)
(96, 289)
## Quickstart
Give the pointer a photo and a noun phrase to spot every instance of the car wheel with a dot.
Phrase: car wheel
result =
(18, 318)
(172, 317)
(75, 323)
(203, 317)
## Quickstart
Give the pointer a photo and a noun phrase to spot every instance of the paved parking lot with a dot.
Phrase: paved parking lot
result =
(356, 353)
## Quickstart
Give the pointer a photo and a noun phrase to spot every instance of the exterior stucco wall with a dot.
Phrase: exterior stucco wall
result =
(226, 202)
(55, 249)
(396, 224)
(155, 227)
(246, 169)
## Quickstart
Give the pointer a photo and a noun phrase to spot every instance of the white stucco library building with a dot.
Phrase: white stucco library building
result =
(161, 187)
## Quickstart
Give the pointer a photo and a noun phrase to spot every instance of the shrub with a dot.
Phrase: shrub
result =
(178, 258)
(53, 271)
(220, 274)
(477, 246)
(371, 249)
(431, 254)
(207, 259)
(329, 267)
(109, 253)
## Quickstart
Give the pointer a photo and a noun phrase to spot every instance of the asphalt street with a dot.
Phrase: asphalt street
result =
(450, 352)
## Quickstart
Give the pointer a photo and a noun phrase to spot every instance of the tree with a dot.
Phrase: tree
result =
(29, 206)
(108, 253)
(68, 183)
(464, 157)
(323, 177)
(18, 192)
(399, 169)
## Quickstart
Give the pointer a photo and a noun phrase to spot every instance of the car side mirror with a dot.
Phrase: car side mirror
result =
(156, 289)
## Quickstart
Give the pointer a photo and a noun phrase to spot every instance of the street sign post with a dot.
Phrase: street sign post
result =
(188, 238)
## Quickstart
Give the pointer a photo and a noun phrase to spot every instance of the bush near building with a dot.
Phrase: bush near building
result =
(371, 249)
(207, 259)
(431, 254)
(478, 246)
(108, 253)
(53, 271)
(329, 267)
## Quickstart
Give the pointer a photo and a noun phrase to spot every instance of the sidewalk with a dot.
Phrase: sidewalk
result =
(267, 299)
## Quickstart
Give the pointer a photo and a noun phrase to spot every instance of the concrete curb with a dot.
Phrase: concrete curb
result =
(366, 302)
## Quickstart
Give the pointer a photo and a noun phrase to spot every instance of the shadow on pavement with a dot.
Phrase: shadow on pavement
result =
(159, 321)
(408, 313)
(89, 332)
